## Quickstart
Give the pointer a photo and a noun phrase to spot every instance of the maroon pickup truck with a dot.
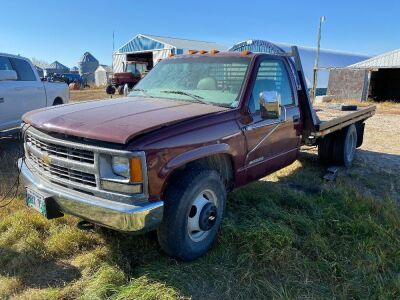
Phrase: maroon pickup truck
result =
(196, 127)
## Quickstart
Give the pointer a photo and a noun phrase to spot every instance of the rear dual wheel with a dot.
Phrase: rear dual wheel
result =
(339, 148)
(193, 212)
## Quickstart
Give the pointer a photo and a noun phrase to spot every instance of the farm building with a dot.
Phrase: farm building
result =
(328, 59)
(87, 66)
(377, 78)
(56, 68)
(102, 75)
(75, 70)
(151, 49)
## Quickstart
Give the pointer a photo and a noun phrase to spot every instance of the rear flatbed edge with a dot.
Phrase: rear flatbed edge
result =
(324, 128)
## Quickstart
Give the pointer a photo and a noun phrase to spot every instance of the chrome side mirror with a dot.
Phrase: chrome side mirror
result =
(8, 75)
(270, 104)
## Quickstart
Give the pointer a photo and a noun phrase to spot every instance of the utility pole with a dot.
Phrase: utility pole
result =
(316, 64)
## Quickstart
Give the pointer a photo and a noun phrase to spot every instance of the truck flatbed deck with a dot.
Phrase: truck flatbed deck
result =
(330, 117)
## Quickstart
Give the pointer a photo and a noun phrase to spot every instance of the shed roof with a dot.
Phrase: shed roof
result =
(57, 65)
(186, 43)
(88, 57)
(147, 42)
(386, 60)
(104, 68)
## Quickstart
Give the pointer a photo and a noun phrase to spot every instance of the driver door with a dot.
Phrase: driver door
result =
(272, 141)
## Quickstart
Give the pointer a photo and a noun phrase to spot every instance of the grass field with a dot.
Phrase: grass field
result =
(290, 235)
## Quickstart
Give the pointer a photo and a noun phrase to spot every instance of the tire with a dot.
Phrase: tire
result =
(57, 101)
(120, 89)
(349, 107)
(110, 90)
(192, 196)
(344, 148)
(360, 134)
(325, 150)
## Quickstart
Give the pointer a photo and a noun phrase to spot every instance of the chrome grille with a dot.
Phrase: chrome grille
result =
(60, 151)
(65, 173)
(61, 162)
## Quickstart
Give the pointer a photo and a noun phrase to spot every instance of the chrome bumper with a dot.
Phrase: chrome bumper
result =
(111, 214)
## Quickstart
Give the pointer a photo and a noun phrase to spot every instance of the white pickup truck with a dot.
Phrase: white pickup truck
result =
(21, 90)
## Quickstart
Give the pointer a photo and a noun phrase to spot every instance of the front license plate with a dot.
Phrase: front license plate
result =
(36, 201)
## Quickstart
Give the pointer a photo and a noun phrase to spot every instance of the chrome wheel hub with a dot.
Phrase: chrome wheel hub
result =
(202, 216)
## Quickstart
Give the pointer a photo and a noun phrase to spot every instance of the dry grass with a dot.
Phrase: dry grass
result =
(290, 235)
(92, 93)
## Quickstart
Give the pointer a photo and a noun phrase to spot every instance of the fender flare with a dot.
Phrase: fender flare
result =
(194, 154)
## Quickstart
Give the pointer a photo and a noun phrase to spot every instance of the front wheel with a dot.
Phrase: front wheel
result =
(193, 212)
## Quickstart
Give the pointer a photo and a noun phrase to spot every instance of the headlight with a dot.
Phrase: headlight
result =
(122, 174)
(121, 166)
(130, 168)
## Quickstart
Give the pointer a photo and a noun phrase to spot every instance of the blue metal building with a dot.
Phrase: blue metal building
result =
(328, 59)
(151, 48)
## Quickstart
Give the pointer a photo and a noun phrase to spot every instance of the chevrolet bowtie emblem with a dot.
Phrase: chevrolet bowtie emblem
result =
(46, 158)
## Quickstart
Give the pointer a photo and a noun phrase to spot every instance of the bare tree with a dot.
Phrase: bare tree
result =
(40, 63)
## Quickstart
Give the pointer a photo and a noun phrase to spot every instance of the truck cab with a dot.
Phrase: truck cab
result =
(196, 127)
(21, 90)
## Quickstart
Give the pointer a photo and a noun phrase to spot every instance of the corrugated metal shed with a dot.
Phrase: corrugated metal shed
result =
(102, 75)
(88, 57)
(147, 42)
(328, 59)
(87, 66)
(56, 68)
(57, 65)
(186, 44)
(152, 48)
(386, 60)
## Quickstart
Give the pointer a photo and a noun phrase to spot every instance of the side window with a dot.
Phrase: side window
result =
(271, 76)
(24, 70)
(5, 63)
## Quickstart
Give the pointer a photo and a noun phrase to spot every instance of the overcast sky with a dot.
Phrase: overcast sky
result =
(64, 30)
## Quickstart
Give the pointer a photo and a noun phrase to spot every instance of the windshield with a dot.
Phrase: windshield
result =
(209, 80)
(136, 69)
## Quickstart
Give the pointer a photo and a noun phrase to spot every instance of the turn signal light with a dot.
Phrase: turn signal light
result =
(246, 52)
(136, 170)
(171, 55)
(192, 51)
(214, 51)
(202, 51)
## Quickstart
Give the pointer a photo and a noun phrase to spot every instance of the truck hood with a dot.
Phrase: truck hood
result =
(115, 121)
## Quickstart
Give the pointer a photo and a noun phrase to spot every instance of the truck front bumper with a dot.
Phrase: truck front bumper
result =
(111, 214)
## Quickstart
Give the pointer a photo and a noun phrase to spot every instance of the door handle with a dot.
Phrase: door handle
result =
(1, 99)
(296, 118)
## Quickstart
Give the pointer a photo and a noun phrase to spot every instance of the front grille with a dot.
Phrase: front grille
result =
(60, 161)
(64, 173)
(60, 151)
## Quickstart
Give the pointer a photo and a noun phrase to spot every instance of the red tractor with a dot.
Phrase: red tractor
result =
(134, 71)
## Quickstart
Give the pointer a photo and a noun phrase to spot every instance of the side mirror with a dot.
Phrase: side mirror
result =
(8, 75)
(270, 105)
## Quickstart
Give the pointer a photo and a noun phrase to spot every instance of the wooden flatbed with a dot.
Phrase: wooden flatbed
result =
(331, 117)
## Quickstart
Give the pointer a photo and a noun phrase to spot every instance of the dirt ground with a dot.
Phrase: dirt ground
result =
(382, 136)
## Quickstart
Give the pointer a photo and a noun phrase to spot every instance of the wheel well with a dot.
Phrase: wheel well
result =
(360, 126)
(58, 101)
(222, 163)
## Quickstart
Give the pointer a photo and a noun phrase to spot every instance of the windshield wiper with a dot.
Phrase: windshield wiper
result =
(143, 91)
(194, 96)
